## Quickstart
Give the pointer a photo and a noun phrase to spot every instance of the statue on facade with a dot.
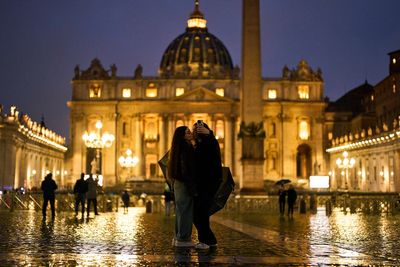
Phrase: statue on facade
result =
(138, 72)
(93, 166)
(285, 73)
(113, 70)
(77, 72)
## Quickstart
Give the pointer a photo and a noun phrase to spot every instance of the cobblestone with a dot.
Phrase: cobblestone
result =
(253, 239)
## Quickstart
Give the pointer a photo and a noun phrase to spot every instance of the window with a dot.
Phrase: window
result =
(219, 129)
(304, 130)
(394, 88)
(220, 91)
(126, 92)
(151, 90)
(303, 91)
(273, 129)
(95, 91)
(271, 94)
(394, 61)
(179, 91)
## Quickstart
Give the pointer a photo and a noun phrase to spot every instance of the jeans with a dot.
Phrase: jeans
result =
(183, 212)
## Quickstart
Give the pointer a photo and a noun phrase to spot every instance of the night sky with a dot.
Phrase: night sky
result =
(41, 41)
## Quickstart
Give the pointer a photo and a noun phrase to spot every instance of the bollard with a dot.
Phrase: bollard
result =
(302, 205)
(149, 207)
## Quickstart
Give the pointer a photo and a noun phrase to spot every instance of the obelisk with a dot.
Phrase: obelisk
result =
(251, 129)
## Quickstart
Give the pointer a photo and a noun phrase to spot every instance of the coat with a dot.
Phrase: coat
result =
(92, 188)
(48, 187)
(80, 187)
(208, 166)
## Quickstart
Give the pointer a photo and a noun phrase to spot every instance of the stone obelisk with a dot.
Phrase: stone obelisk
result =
(251, 129)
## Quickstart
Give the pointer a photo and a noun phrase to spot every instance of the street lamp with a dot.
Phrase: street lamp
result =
(346, 163)
(129, 161)
(97, 140)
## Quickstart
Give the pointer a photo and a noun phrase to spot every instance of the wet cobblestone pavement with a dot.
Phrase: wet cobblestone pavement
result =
(141, 239)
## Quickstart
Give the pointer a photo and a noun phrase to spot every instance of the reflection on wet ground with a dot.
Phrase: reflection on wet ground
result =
(143, 239)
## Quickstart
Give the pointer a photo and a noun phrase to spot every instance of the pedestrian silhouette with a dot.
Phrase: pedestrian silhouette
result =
(282, 199)
(291, 197)
(80, 189)
(92, 194)
(125, 200)
(48, 187)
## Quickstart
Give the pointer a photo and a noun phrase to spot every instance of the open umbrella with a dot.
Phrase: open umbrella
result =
(283, 181)
(163, 163)
(225, 189)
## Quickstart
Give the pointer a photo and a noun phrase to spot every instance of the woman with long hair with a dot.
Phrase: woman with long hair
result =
(181, 171)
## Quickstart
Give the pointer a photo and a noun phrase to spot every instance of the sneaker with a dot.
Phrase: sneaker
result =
(213, 245)
(186, 244)
(202, 246)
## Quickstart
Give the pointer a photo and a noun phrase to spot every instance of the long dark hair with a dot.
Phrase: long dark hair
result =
(177, 146)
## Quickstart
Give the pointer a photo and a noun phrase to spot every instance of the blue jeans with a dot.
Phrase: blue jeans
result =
(183, 212)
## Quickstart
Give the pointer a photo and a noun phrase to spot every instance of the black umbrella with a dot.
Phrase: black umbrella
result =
(224, 190)
(283, 181)
(163, 163)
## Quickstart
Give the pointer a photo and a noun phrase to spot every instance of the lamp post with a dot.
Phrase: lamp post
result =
(97, 140)
(129, 161)
(346, 163)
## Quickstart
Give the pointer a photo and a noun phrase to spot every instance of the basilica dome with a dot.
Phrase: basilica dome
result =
(197, 53)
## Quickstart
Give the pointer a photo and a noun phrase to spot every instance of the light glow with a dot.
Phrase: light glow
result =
(319, 181)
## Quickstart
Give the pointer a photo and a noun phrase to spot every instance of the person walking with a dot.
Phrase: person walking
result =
(181, 171)
(125, 199)
(92, 194)
(80, 189)
(291, 197)
(208, 177)
(282, 199)
(49, 187)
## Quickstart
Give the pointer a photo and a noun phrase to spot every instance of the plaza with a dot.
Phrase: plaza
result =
(139, 238)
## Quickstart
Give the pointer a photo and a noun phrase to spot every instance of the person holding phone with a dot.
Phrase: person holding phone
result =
(208, 176)
(181, 171)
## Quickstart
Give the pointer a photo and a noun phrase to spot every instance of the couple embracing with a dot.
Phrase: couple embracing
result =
(195, 168)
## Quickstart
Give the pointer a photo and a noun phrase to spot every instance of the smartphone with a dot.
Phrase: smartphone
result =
(200, 123)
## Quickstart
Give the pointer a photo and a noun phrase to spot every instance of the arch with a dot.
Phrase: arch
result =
(303, 161)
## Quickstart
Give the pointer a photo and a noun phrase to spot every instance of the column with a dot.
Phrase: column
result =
(252, 130)
(139, 145)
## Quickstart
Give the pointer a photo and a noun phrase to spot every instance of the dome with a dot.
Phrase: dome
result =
(197, 53)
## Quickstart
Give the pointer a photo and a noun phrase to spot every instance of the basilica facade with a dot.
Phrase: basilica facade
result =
(197, 80)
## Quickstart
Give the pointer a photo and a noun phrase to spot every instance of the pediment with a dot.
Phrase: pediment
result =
(201, 94)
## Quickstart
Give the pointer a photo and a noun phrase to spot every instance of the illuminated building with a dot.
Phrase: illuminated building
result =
(197, 80)
(365, 124)
(29, 151)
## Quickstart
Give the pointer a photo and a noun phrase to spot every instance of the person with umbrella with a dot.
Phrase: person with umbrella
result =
(180, 172)
(208, 176)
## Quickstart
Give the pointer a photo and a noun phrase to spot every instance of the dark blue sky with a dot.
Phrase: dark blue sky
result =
(41, 42)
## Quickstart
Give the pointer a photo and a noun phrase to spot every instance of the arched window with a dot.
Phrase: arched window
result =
(304, 130)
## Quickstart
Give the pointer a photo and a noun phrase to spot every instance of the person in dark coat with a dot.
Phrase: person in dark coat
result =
(125, 199)
(181, 172)
(282, 199)
(291, 197)
(80, 189)
(208, 176)
(48, 187)
(92, 194)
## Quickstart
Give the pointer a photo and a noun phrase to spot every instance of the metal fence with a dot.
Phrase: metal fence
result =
(345, 202)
